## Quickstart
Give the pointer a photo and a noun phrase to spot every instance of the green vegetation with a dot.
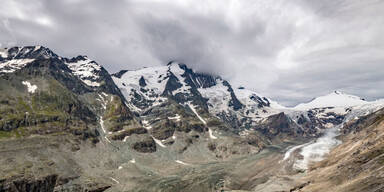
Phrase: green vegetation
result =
(16, 133)
(117, 115)
(48, 111)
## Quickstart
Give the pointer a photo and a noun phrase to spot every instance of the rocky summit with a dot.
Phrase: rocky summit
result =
(67, 124)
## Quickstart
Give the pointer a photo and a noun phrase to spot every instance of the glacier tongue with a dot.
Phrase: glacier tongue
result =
(314, 152)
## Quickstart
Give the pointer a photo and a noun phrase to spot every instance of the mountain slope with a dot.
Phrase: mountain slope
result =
(48, 114)
(355, 165)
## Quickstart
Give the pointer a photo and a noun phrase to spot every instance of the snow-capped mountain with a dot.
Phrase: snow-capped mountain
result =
(334, 99)
(211, 96)
(241, 108)
(15, 58)
(149, 87)
(92, 74)
(331, 110)
(84, 82)
(85, 69)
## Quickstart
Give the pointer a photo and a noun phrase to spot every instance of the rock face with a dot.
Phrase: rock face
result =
(144, 144)
(280, 125)
(43, 184)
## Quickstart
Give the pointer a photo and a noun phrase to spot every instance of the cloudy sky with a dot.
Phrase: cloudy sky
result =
(289, 50)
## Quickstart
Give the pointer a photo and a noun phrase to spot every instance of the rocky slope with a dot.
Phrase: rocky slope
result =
(44, 96)
(356, 164)
(66, 124)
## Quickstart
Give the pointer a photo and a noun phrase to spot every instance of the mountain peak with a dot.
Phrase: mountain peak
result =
(334, 99)
(26, 52)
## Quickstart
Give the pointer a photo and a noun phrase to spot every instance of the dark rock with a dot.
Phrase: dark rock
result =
(164, 130)
(28, 184)
(142, 82)
(144, 144)
(128, 132)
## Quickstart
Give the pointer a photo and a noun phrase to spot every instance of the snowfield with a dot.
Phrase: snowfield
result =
(86, 70)
(13, 65)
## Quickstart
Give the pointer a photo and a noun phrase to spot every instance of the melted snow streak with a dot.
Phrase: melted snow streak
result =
(102, 124)
(159, 142)
(102, 127)
(202, 120)
(211, 134)
(113, 179)
(180, 162)
(195, 112)
(316, 151)
(176, 118)
(146, 125)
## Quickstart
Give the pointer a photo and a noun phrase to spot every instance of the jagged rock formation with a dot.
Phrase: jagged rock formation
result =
(23, 184)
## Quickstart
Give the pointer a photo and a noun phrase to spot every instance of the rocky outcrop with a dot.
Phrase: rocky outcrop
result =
(279, 125)
(143, 143)
(30, 184)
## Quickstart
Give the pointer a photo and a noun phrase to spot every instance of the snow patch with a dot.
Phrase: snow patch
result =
(13, 65)
(181, 162)
(125, 138)
(31, 88)
(218, 97)
(155, 79)
(91, 83)
(86, 70)
(113, 179)
(211, 134)
(132, 161)
(159, 142)
(146, 125)
(178, 72)
(177, 118)
(251, 100)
